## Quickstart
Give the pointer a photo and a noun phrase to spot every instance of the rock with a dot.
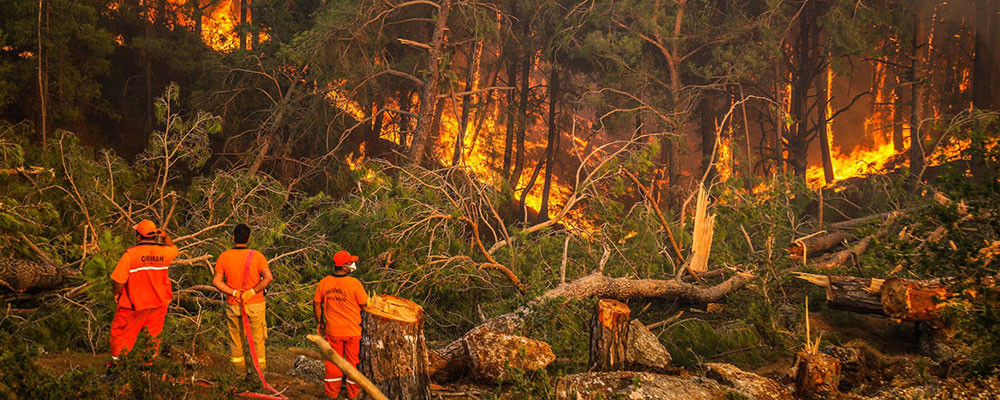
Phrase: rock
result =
(492, 354)
(308, 369)
(636, 385)
(748, 383)
(645, 352)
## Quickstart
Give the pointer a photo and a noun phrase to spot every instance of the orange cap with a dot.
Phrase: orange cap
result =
(342, 257)
(145, 227)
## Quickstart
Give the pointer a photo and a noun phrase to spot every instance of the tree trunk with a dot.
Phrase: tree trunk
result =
(196, 14)
(393, 349)
(553, 143)
(897, 119)
(708, 135)
(609, 336)
(42, 77)
(824, 136)
(916, 94)
(522, 122)
(243, 24)
(405, 104)
(986, 54)
(508, 148)
(28, 276)
(463, 120)
(373, 145)
(912, 300)
(816, 376)
(817, 244)
(429, 100)
(758, 387)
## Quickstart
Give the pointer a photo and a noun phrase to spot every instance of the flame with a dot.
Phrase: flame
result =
(725, 163)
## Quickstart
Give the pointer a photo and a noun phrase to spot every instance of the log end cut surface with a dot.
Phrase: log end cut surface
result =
(912, 301)
(394, 308)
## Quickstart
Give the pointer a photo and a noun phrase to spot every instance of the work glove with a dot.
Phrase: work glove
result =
(247, 294)
(238, 295)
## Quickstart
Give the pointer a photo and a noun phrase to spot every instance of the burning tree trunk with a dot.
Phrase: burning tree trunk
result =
(708, 139)
(243, 23)
(897, 118)
(405, 104)
(522, 121)
(463, 120)
(508, 148)
(609, 336)
(553, 142)
(429, 100)
(393, 349)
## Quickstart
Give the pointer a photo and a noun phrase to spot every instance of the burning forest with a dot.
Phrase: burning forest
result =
(517, 199)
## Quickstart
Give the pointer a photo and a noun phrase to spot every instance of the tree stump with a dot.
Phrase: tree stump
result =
(609, 336)
(912, 300)
(393, 348)
(817, 375)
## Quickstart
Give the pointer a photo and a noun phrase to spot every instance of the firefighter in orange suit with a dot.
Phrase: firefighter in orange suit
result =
(242, 274)
(337, 304)
(142, 288)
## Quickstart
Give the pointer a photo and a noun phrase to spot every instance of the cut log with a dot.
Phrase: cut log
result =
(756, 386)
(817, 244)
(817, 375)
(849, 293)
(909, 300)
(393, 348)
(609, 335)
(493, 354)
(28, 276)
(645, 352)
(446, 363)
(637, 385)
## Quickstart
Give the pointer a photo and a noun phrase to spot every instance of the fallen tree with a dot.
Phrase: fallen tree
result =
(448, 362)
(20, 276)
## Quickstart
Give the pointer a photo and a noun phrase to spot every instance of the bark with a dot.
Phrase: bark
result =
(804, 73)
(553, 144)
(429, 100)
(196, 14)
(849, 293)
(393, 348)
(756, 386)
(623, 385)
(609, 336)
(917, 94)
(492, 355)
(28, 276)
(817, 244)
(644, 351)
(405, 104)
(816, 376)
(912, 300)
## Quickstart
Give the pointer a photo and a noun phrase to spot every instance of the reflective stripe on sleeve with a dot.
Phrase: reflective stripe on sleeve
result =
(332, 380)
(236, 359)
(148, 268)
(350, 382)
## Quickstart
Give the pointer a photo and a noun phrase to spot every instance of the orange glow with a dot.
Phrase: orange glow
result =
(725, 163)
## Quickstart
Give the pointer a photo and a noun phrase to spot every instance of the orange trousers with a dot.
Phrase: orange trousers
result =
(348, 347)
(127, 324)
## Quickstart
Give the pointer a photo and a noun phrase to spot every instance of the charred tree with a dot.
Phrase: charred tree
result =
(708, 135)
(509, 131)
(405, 104)
(609, 336)
(463, 120)
(824, 136)
(522, 121)
(897, 119)
(393, 349)
(243, 24)
(429, 100)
